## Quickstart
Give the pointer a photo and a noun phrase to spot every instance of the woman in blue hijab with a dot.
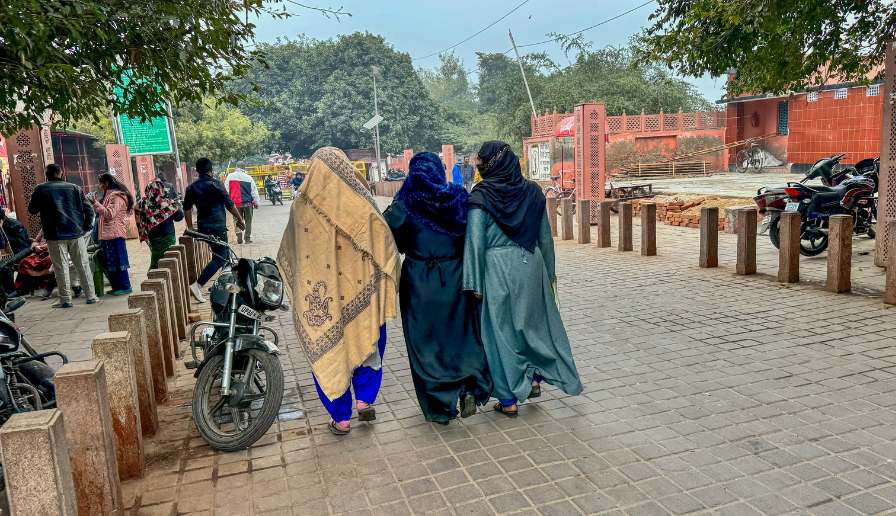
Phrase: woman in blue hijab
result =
(428, 219)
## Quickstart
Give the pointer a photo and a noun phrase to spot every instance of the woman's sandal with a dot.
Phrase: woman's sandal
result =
(367, 413)
(536, 391)
(504, 410)
(467, 406)
(335, 430)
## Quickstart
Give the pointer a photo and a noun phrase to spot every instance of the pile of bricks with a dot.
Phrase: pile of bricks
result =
(684, 211)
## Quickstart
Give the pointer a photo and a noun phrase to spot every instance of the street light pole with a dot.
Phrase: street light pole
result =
(376, 112)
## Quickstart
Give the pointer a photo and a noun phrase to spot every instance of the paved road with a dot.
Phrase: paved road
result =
(704, 392)
(726, 185)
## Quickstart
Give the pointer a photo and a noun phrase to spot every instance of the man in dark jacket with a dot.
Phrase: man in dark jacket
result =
(66, 217)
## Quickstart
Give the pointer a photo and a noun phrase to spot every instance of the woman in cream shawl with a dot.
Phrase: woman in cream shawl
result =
(340, 265)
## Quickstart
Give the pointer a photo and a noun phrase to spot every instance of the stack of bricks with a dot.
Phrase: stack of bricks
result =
(685, 212)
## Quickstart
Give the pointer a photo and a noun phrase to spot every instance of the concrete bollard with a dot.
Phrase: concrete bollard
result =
(648, 229)
(603, 223)
(170, 346)
(709, 237)
(180, 298)
(746, 241)
(789, 250)
(147, 302)
(625, 227)
(551, 207)
(114, 350)
(190, 255)
(181, 253)
(82, 397)
(839, 254)
(177, 323)
(566, 219)
(36, 464)
(131, 321)
(583, 217)
(890, 285)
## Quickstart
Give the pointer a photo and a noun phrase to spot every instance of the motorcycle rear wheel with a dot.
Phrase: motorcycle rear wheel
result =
(812, 246)
(774, 231)
(212, 412)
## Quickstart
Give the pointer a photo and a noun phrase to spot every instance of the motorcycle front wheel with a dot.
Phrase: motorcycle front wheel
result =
(235, 422)
(813, 241)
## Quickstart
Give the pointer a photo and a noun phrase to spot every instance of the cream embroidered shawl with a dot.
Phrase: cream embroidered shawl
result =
(340, 266)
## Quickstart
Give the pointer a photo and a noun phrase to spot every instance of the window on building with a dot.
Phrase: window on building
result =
(812, 96)
(841, 93)
(782, 117)
(873, 90)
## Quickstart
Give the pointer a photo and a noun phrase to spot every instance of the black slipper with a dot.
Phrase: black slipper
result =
(502, 409)
(467, 406)
(367, 413)
(335, 430)
(536, 391)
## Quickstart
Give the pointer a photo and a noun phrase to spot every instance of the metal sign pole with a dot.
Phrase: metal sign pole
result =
(522, 72)
(376, 112)
(174, 142)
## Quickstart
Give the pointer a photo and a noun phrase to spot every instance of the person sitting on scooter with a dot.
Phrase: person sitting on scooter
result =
(297, 180)
(13, 238)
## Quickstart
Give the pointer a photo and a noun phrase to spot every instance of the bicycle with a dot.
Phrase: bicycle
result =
(749, 159)
(557, 191)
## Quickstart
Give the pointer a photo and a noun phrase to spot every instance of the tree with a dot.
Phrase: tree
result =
(448, 85)
(319, 93)
(774, 45)
(67, 56)
(219, 132)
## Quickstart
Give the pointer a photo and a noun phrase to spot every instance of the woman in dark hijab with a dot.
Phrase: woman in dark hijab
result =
(428, 219)
(509, 266)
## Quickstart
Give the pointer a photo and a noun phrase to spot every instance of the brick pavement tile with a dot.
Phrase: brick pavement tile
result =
(451, 479)
(463, 494)
(418, 487)
(495, 485)
(593, 503)
(681, 503)
(647, 509)
(509, 502)
(835, 508)
(561, 508)
(868, 503)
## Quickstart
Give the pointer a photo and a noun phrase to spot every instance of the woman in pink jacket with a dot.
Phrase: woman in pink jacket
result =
(115, 215)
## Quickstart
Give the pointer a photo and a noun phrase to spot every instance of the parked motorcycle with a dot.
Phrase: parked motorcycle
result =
(275, 194)
(26, 381)
(847, 191)
(239, 380)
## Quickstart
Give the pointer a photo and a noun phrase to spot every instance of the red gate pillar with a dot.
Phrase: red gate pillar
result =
(30, 151)
(145, 173)
(118, 157)
(408, 154)
(886, 209)
(448, 160)
(590, 154)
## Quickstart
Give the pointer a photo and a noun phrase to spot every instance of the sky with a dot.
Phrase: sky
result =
(422, 27)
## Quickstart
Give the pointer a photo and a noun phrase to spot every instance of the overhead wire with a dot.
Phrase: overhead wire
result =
(468, 38)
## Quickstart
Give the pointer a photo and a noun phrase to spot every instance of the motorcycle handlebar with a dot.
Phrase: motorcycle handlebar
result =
(197, 235)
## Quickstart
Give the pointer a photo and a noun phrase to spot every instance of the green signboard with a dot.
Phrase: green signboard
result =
(149, 137)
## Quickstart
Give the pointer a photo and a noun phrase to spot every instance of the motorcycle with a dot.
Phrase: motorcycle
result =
(239, 379)
(275, 194)
(26, 381)
(847, 191)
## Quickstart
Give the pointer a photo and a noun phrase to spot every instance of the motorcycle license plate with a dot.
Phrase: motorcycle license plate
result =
(792, 206)
(248, 312)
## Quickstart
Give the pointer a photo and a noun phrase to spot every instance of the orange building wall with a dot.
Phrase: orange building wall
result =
(828, 126)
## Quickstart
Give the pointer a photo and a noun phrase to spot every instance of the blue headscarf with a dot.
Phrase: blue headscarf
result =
(430, 199)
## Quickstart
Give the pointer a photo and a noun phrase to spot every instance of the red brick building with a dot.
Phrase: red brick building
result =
(801, 128)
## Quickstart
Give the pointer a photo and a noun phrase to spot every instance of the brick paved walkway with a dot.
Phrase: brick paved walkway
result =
(704, 392)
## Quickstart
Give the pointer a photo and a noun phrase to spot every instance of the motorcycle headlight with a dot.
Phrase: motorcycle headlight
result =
(269, 291)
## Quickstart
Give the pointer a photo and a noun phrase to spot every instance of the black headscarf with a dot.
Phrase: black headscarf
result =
(516, 204)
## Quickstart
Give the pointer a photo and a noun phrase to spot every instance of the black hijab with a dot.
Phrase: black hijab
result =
(516, 204)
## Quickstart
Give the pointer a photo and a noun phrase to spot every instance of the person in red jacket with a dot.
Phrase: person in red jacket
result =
(244, 194)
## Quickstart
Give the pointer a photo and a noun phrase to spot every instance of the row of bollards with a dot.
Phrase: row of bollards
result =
(70, 460)
(604, 211)
(840, 229)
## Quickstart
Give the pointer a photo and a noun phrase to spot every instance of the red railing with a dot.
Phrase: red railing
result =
(544, 125)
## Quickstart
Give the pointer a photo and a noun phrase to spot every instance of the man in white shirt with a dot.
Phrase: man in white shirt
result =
(244, 194)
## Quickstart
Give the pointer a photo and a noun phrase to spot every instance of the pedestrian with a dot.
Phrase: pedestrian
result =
(244, 194)
(457, 177)
(13, 239)
(296, 182)
(467, 173)
(66, 216)
(212, 202)
(428, 219)
(157, 212)
(509, 266)
(340, 267)
(115, 213)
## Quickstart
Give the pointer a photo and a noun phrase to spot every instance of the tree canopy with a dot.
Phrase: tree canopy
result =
(219, 132)
(774, 45)
(317, 93)
(67, 56)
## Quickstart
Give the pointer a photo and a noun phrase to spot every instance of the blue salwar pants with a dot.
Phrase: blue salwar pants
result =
(366, 383)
